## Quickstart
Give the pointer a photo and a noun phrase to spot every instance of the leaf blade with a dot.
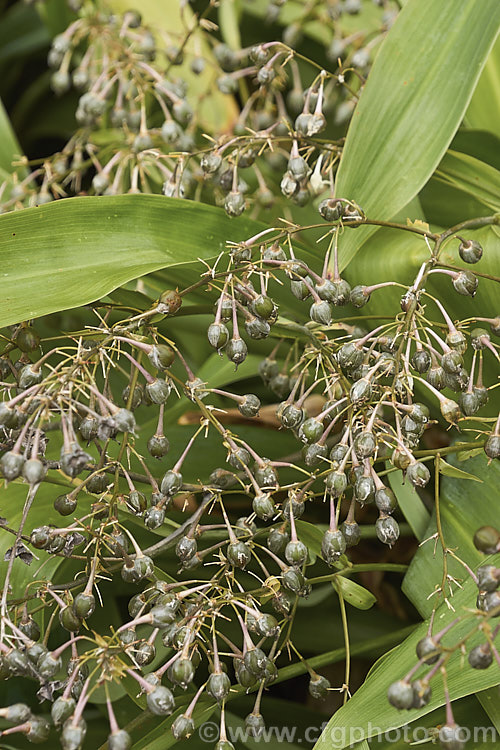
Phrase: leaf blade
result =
(415, 98)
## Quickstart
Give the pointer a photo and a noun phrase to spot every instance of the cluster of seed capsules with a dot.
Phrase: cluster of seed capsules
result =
(368, 417)
(140, 126)
(432, 650)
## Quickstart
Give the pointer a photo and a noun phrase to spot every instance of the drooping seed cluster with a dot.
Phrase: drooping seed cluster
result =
(141, 121)
(345, 393)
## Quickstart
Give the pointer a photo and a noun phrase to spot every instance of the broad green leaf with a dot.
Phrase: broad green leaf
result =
(9, 147)
(72, 252)
(473, 176)
(489, 701)
(482, 144)
(453, 471)
(410, 503)
(356, 595)
(413, 102)
(368, 713)
(463, 510)
(229, 18)
(484, 108)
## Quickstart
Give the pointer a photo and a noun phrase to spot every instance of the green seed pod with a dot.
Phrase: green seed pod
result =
(11, 465)
(40, 537)
(181, 673)
(296, 553)
(436, 377)
(457, 340)
(262, 306)
(30, 628)
(428, 649)
(160, 701)
(222, 479)
(119, 740)
(84, 605)
(239, 458)
(481, 394)
(452, 737)
(186, 548)
(421, 693)
(488, 577)
(452, 362)
(140, 568)
(341, 292)
(137, 502)
(158, 446)
(387, 530)
(154, 517)
(255, 661)
(28, 376)
(492, 603)
(48, 665)
(469, 403)
(421, 361)
(290, 416)
(300, 289)
(330, 209)
(218, 686)
(27, 339)
(470, 251)
(450, 410)
(244, 677)
(418, 474)
(319, 686)
(17, 713)
(359, 296)
(311, 430)
(480, 657)
(69, 620)
(263, 507)
(265, 475)
(350, 356)
(335, 483)
(351, 533)
(98, 484)
(400, 695)
(144, 653)
(333, 547)
(277, 540)
(492, 446)
(218, 335)
(280, 385)
(158, 390)
(73, 460)
(268, 368)
(365, 444)
(38, 730)
(250, 405)
(182, 727)
(234, 203)
(465, 283)
(65, 504)
(294, 580)
(6, 413)
(171, 483)
(236, 351)
(61, 709)
(314, 454)
(361, 391)
(385, 500)
(239, 554)
(254, 724)
(210, 162)
(321, 312)
(88, 428)
(34, 470)
(400, 459)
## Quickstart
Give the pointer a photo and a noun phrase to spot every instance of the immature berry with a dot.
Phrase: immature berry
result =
(400, 695)
(451, 737)
(387, 530)
(427, 646)
(470, 251)
(480, 657)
